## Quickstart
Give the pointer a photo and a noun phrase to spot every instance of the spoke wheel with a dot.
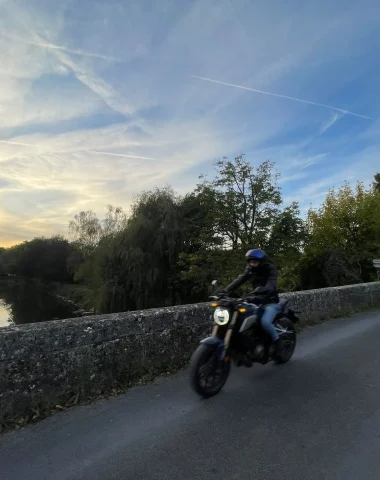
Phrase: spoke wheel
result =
(289, 339)
(208, 374)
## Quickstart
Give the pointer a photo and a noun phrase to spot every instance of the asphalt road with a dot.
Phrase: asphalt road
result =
(318, 417)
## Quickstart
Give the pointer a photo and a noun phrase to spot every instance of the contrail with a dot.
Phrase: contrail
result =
(52, 46)
(8, 142)
(74, 52)
(17, 143)
(347, 112)
(119, 155)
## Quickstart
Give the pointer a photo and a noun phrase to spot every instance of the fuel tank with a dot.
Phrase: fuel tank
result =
(249, 318)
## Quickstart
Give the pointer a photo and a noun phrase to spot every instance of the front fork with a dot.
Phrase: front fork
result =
(227, 337)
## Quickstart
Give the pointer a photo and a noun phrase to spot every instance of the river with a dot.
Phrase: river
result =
(26, 301)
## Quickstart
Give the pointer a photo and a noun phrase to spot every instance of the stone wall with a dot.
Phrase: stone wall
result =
(69, 361)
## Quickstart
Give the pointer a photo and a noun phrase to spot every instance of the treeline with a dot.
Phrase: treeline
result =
(169, 248)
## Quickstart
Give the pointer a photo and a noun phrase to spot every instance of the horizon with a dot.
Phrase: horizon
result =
(101, 217)
(101, 101)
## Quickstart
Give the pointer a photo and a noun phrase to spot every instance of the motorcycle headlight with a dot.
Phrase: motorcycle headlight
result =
(221, 316)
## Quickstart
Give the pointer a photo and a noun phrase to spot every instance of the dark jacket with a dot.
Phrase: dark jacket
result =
(265, 275)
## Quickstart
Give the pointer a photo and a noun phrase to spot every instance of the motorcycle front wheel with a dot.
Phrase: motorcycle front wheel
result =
(208, 374)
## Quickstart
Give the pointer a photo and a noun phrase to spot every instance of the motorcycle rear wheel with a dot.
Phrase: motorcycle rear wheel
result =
(289, 339)
(205, 358)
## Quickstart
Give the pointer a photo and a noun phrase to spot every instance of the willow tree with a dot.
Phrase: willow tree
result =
(156, 229)
(137, 268)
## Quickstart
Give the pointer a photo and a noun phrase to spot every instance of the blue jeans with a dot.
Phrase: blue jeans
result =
(270, 312)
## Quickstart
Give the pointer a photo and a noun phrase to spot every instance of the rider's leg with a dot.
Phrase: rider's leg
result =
(269, 315)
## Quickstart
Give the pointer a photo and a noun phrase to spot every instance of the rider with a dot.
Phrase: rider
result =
(263, 276)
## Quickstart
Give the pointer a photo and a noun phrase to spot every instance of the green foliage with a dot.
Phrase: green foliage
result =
(134, 269)
(198, 212)
(244, 203)
(343, 239)
(42, 258)
(2, 270)
(288, 234)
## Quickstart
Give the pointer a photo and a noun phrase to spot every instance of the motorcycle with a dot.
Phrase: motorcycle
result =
(237, 336)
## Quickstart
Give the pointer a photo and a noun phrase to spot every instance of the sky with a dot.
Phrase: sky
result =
(101, 100)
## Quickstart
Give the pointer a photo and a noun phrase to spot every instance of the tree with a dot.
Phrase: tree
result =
(136, 268)
(244, 211)
(114, 222)
(376, 183)
(2, 250)
(41, 258)
(288, 234)
(246, 201)
(344, 236)
(286, 243)
(199, 262)
(86, 231)
(197, 210)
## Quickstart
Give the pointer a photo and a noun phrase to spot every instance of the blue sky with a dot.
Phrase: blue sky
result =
(100, 100)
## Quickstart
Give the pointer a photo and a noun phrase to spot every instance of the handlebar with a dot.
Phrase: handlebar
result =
(233, 300)
(254, 293)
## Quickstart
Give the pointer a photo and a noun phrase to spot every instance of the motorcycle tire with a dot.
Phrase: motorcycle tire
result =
(202, 355)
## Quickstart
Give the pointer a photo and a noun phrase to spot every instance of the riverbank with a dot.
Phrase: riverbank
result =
(74, 294)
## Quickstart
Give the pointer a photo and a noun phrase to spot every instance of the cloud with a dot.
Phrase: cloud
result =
(98, 100)
(292, 178)
(60, 176)
(305, 162)
(326, 126)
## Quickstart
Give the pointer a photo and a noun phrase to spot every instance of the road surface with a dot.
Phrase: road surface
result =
(318, 417)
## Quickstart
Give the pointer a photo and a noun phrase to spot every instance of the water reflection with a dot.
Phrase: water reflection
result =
(4, 315)
(26, 301)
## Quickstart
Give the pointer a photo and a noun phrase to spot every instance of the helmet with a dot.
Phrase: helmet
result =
(254, 254)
